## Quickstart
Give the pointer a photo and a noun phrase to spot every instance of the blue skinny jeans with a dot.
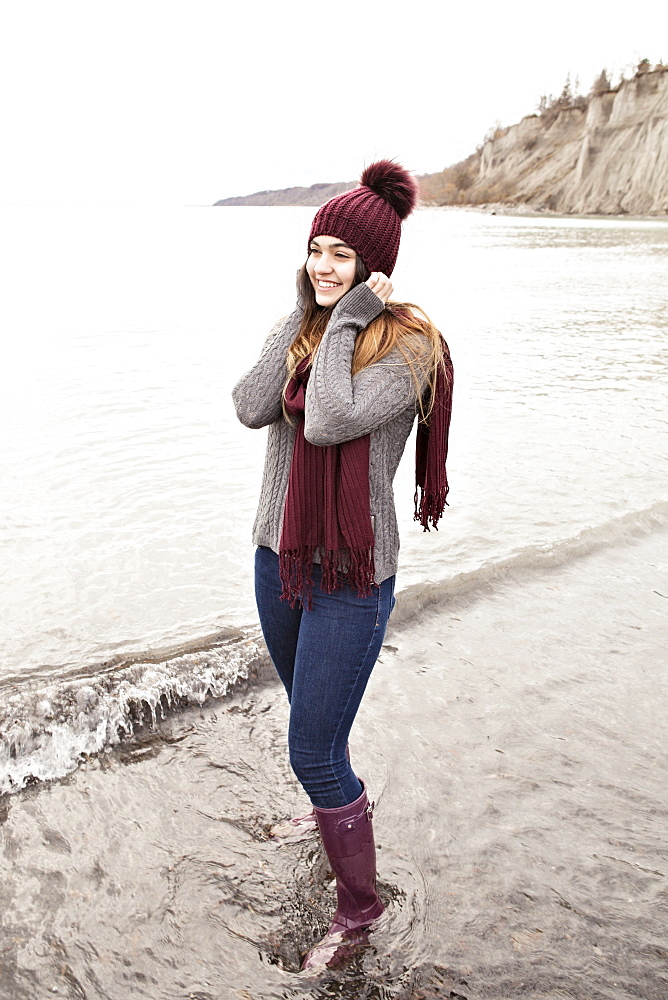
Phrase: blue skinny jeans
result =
(324, 658)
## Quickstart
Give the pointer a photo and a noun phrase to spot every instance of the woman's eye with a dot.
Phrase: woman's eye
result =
(314, 250)
(344, 256)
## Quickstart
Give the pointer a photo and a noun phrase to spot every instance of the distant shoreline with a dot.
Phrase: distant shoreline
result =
(500, 208)
(603, 155)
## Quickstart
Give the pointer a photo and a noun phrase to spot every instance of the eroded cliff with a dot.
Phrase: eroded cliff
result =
(609, 157)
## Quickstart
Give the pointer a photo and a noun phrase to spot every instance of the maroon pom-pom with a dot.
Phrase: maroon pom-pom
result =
(391, 182)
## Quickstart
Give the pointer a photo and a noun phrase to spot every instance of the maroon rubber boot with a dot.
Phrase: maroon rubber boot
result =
(347, 836)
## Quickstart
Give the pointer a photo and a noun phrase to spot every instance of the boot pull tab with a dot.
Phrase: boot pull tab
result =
(352, 822)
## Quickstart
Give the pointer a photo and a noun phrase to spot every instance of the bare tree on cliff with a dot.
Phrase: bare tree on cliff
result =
(601, 83)
(579, 100)
(549, 107)
(565, 99)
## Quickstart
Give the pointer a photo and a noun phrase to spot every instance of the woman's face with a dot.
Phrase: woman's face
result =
(331, 268)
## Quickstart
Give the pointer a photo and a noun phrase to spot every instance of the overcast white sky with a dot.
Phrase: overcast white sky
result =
(138, 101)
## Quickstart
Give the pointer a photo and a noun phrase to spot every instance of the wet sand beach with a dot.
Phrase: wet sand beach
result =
(514, 739)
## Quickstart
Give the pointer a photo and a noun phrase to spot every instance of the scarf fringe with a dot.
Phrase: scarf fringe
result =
(296, 573)
(359, 572)
(430, 506)
(295, 567)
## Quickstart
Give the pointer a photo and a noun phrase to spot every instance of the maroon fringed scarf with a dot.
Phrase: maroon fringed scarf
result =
(327, 506)
(431, 449)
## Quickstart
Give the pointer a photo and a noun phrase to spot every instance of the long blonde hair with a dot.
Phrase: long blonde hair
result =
(401, 325)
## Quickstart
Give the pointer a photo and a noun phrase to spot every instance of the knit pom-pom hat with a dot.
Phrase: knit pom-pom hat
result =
(369, 218)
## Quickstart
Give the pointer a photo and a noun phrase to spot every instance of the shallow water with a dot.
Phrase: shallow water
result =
(514, 742)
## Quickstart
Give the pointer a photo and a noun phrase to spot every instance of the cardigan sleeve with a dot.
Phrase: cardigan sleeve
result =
(341, 406)
(258, 394)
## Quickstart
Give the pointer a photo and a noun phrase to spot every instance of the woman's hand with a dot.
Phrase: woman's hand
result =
(380, 284)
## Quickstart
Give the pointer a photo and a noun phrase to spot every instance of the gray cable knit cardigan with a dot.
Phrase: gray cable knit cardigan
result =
(381, 401)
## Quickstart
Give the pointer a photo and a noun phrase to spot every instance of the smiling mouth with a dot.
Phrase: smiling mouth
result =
(328, 284)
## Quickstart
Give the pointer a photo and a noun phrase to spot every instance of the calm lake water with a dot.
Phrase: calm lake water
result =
(128, 488)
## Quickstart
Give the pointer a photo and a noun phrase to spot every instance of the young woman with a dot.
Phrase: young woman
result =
(339, 383)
